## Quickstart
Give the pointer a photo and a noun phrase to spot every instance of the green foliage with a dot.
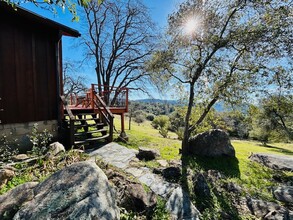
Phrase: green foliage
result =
(150, 117)
(40, 140)
(7, 149)
(42, 168)
(272, 119)
(152, 108)
(54, 4)
(212, 121)
(160, 212)
(164, 132)
(180, 133)
(139, 119)
(236, 123)
(162, 123)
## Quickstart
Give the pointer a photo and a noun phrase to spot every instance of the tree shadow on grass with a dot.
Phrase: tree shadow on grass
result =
(226, 165)
(278, 149)
(229, 166)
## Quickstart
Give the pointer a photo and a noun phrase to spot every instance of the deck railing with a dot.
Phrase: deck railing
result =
(111, 96)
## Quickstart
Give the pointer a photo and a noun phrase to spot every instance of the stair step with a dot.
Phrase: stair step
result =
(88, 125)
(90, 132)
(88, 113)
(91, 139)
(86, 119)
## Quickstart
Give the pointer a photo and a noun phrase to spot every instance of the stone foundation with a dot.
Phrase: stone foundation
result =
(18, 133)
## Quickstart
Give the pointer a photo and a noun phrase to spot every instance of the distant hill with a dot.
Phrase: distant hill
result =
(218, 106)
(174, 102)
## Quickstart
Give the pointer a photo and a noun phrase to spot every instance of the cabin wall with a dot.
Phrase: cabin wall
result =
(18, 133)
(28, 72)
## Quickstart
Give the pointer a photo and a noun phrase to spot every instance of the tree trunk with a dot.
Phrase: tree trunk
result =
(187, 118)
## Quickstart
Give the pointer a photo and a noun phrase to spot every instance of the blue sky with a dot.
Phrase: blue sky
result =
(159, 10)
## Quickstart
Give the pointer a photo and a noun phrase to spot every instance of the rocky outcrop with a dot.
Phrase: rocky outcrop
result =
(276, 162)
(147, 154)
(284, 194)
(212, 143)
(180, 206)
(171, 174)
(13, 199)
(131, 195)
(200, 186)
(79, 191)
(267, 210)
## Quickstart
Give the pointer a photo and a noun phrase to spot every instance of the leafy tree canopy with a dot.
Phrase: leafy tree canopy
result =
(52, 5)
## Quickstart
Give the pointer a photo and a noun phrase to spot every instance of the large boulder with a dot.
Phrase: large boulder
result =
(276, 162)
(212, 143)
(79, 191)
(13, 199)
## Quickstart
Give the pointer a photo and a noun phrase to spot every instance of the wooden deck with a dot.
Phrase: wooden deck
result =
(85, 102)
(82, 109)
(77, 108)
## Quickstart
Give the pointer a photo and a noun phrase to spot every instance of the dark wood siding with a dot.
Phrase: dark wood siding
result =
(28, 71)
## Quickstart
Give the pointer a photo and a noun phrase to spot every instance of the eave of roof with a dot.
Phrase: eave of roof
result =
(64, 30)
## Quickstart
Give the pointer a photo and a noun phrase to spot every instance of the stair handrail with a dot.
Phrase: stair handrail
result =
(70, 114)
(109, 117)
(71, 120)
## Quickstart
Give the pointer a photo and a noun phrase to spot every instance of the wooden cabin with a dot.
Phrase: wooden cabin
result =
(31, 85)
(30, 72)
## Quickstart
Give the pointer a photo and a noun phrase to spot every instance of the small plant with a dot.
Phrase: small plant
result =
(160, 212)
(164, 132)
(7, 149)
(40, 140)
(162, 123)
(180, 133)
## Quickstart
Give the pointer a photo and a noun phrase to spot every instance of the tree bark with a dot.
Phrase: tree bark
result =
(185, 145)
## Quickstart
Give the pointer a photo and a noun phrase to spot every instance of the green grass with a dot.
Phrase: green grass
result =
(144, 135)
(255, 179)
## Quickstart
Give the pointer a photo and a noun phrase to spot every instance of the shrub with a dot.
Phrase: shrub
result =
(139, 119)
(7, 149)
(150, 117)
(180, 133)
(40, 140)
(162, 123)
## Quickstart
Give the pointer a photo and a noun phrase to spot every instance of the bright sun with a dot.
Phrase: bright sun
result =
(191, 25)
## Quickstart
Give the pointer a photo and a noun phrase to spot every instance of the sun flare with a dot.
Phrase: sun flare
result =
(191, 25)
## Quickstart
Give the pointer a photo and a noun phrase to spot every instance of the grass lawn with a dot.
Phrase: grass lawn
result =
(250, 175)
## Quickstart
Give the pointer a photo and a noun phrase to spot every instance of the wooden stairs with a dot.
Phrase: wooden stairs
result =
(85, 127)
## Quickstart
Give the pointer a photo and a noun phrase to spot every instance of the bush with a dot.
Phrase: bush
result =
(139, 119)
(40, 140)
(162, 123)
(180, 133)
(150, 117)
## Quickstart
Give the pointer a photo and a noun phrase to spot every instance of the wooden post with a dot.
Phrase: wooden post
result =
(92, 96)
(71, 133)
(126, 99)
(111, 129)
(122, 123)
